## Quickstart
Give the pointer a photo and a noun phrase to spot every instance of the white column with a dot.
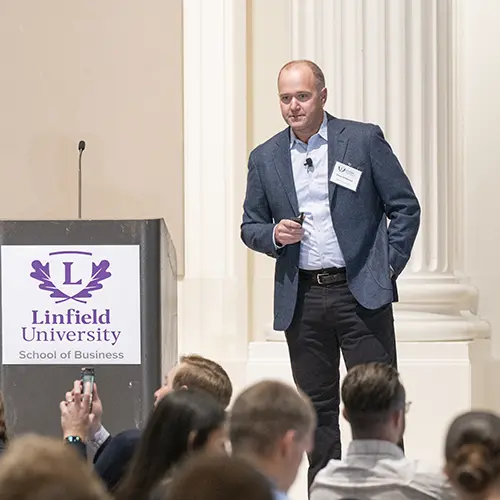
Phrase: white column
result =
(213, 291)
(390, 62)
(395, 63)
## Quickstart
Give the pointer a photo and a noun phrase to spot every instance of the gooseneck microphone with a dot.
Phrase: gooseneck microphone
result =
(309, 164)
(81, 148)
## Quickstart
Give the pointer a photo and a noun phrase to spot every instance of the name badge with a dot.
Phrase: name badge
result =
(346, 176)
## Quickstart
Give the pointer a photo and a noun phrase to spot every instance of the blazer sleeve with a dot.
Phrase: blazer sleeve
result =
(114, 460)
(400, 203)
(257, 227)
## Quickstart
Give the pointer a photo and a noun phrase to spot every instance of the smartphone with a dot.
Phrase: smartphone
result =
(88, 377)
(299, 219)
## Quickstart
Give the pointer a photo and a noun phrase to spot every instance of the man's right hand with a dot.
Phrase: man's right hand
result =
(288, 232)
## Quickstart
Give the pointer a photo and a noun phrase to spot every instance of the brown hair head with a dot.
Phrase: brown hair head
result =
(370, 392)
(217, 478)
(197, 372)
(42, 468)
(264, 413)
(472, 451)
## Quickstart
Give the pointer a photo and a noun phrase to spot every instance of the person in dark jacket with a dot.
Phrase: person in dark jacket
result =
(182, 423)
(114, 453)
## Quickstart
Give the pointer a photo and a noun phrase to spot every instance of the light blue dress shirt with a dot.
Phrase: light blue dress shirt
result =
(280, 495)
(319, 248)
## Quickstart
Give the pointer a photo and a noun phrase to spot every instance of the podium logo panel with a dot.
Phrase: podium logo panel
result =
(70, 304)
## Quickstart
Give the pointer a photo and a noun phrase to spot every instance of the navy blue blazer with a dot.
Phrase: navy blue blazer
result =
(113, 458)
(371, 248)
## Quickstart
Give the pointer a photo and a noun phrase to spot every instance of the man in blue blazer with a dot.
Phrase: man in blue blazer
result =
(319, 196)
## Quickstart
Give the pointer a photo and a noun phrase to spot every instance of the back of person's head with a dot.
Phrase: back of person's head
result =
(3, 420)
(183, 421)
(472, 453)
(197, 372)
(221, 478)
(374, 402)
(42, 468)
(272, 421)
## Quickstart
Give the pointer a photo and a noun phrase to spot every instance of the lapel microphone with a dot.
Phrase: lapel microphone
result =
(309, 164)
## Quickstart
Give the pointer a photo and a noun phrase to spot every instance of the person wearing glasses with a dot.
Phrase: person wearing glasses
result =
(375, 467)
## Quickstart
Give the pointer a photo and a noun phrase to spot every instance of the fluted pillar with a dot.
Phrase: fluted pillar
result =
(396, 63)
(213, 290)
(391, 62)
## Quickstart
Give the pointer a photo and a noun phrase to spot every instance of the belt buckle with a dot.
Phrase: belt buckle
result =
(319, 276)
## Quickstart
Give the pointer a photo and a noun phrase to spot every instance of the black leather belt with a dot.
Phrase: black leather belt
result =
(325, 276)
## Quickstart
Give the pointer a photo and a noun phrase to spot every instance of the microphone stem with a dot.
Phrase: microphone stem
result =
(80, 185)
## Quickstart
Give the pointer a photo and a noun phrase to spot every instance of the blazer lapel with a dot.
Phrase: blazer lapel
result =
(337, 145)
(283, 164)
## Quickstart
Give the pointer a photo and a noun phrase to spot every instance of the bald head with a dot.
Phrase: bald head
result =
(302, 92)
(305, 64)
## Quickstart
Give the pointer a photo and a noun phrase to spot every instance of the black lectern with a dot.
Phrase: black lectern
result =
(85, 293)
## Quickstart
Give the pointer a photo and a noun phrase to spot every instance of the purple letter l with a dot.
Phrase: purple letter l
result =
(67, 274)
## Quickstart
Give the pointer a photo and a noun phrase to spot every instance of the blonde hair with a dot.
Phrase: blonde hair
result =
(42, 468)
(197, 372)
(264, 413)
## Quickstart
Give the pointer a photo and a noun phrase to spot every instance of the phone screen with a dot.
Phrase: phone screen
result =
(88, 377)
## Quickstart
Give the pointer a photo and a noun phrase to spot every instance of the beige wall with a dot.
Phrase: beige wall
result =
(480, 84)
(109, 73)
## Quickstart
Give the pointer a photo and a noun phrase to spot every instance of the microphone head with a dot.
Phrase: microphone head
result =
(308, 162)
(81, 145)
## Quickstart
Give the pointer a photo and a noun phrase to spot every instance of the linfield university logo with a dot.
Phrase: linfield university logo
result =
(69, 287)
(70, 304)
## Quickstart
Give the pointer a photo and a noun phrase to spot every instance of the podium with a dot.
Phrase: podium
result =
(85, 293)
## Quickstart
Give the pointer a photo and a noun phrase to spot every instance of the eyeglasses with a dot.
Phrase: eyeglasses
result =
(407, 406)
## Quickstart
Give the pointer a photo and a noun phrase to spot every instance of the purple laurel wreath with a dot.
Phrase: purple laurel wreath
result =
(42, 273)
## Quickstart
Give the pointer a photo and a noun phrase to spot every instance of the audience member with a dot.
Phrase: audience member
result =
(272, 426)
(182, 422)
(41, 468)
(197, 372)
(221, 478)
(113, 453)
(472, 453)
(375, 467)
(3, 425)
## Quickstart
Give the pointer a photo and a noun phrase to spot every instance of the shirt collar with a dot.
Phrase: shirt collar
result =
(374, 447)
(322, 132)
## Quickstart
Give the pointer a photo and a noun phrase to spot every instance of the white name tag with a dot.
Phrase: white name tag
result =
(346, 176)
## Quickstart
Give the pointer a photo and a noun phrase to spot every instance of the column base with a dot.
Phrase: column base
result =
(442, 379)
(438, 307)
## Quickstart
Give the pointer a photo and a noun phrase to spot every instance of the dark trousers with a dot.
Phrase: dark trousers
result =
(327, 320)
